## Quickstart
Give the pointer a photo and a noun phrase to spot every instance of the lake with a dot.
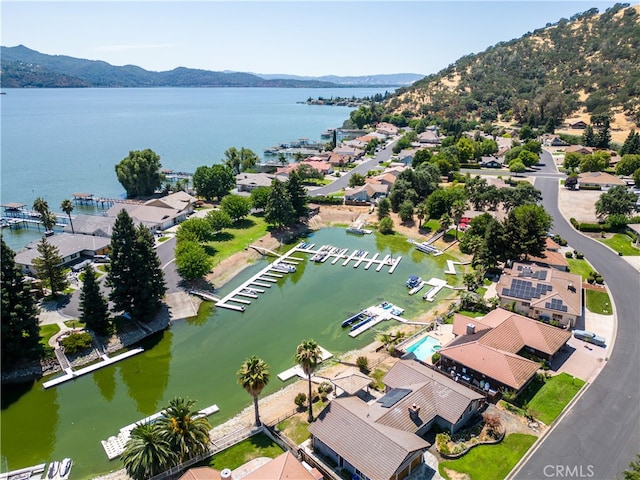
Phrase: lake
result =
(199, 358)
(56, 142)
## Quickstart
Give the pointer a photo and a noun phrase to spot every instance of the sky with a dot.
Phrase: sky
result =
(332, 37)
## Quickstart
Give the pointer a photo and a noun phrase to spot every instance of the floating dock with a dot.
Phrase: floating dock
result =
(115, 445)
(297, 370)
(70, 374)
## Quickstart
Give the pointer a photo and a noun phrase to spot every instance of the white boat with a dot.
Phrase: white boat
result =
(53, 469)
(65, 467)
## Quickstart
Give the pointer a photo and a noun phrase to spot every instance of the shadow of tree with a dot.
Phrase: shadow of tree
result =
(222, 236)
(244, 223)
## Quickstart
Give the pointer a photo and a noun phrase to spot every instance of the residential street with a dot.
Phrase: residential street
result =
(600, 435)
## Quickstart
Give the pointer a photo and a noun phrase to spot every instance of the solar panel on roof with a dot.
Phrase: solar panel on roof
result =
(394, 396)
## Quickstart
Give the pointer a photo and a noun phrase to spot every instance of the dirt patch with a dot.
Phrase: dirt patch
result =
(579, 204)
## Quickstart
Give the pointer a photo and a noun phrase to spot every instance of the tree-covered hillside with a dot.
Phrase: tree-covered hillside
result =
(587, 63)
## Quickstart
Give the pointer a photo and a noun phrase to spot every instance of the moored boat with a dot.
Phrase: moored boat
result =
(65, 467)
(53, 469)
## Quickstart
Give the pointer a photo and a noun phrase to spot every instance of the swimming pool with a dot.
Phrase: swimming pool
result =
(425, 347)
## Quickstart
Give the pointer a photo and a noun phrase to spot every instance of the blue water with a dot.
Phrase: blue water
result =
(56, 142)
(425, 347)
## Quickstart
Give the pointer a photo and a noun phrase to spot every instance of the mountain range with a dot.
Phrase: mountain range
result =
(23, 67)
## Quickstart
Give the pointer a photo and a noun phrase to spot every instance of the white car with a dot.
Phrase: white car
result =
(589, 337)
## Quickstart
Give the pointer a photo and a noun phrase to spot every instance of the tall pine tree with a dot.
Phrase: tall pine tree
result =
(135, 277)
(298, 194)
(49, 267)
(279, 211)
(93, 306)
(19, 316)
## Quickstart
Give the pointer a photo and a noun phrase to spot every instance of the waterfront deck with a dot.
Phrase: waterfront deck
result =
(70, 374)
(115, 445)
(297, 369)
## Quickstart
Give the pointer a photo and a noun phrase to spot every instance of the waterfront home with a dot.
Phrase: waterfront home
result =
(488, 352)
(382, 438)
(385, 178)
(601, 180)
(368, 192)
(541, 292)
(95, 225)
(72, 248)
(158, 213)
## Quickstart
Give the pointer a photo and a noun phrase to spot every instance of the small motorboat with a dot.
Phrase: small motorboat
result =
(53, 469)
(65, 467)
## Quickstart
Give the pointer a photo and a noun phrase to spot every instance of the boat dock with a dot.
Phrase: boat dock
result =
(70, 374)
(285, 264)
(297, 370)
(436, 285)
(426, 247)
(115, 445)
(372, 316)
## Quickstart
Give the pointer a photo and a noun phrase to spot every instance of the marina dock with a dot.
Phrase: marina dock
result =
(115, 445)
(297, 370)
(285, 264)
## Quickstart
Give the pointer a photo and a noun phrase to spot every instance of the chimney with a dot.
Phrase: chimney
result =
(226, 474)
(471, 329)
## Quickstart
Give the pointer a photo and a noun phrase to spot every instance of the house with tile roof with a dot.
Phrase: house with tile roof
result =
(551, 256)
(542, 292)
(381, 439)
(284, 466)
(494, 352)
(367, 192)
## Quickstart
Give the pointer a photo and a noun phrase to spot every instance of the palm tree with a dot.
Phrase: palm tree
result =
(67, 207)
(40, 205)
(146, 453)
(458, 208)
(49, 220)
(421, 212)
(254, 376)
(186, 434)
(308, 356)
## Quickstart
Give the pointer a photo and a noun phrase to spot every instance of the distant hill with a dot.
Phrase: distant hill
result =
(382, 80)
(24, 67)
(585, 66)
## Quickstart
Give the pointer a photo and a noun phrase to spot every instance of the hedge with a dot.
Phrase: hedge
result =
(332, 200)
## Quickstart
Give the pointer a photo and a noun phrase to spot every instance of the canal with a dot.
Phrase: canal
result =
(198, 358)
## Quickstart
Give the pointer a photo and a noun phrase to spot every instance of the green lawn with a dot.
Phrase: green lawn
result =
(599, 302)
(554, 395)
(490, 462)
(46, 332)
(621, 243)
(296, 429)
(470, 314)
(580, 267)
(257, 446)
(237, 238)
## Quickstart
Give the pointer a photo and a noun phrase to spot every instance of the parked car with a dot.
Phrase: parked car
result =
(589, 337)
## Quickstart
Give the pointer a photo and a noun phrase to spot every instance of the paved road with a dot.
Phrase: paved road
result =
(343, 182)
(600, 435)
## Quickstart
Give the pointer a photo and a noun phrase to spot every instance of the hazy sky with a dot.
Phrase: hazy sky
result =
(301, 37)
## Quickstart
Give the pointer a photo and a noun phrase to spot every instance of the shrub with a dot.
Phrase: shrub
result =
(76, 342)
(363, 364)
(325, 387)
(568, 254)
(300, 400)
(435, 358)
(442, 443)
(493, 423)
(331, 200)
(579, 255)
